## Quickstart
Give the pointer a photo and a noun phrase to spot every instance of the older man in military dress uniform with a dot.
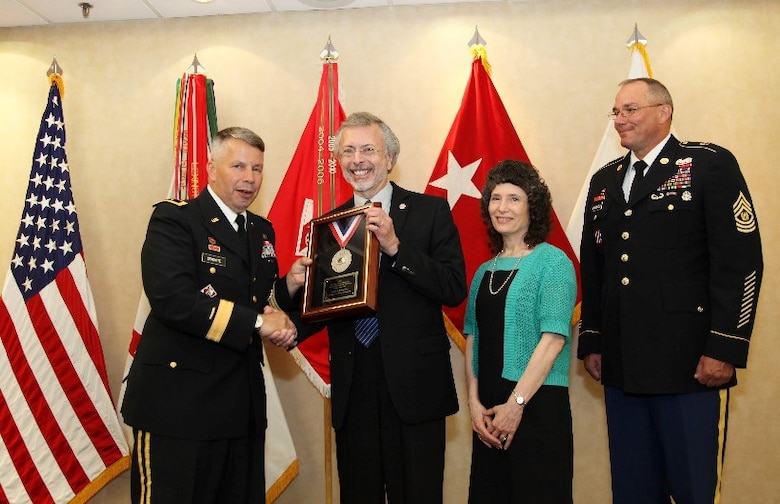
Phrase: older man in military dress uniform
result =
(671, 269)
(195, 394)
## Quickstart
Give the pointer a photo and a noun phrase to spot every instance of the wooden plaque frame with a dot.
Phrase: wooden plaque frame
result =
(342, 280)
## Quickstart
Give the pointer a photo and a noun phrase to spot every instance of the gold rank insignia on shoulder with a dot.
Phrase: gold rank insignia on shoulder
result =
(176, 202)
(744, 217)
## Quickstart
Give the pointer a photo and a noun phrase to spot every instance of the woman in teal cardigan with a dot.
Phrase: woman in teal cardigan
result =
(518, 335)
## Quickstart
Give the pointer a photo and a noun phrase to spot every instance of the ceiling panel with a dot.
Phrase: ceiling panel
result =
(300, 5)
(39, 12)
(190, 8)
(68, 11)
(14, 14)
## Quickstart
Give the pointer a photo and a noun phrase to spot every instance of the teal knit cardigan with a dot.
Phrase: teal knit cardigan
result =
(540, 299)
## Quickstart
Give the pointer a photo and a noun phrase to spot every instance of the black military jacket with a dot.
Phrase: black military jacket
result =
(674, 273)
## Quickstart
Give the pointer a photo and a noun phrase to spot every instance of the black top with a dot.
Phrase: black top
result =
(490, 308)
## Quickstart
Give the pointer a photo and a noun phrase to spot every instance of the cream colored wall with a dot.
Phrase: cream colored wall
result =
(556, 65)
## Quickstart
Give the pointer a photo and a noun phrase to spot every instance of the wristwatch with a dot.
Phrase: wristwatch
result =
(520, 400)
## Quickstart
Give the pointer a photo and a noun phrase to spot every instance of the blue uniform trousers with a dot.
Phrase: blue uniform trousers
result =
(664, 446)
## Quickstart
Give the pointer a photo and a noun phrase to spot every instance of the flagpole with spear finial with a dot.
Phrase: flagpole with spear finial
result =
(329, 55)
(477, 46)
(195, 66)
(638, 41)
(55, 76)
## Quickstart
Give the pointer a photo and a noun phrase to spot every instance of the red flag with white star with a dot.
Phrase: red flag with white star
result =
(481, 136)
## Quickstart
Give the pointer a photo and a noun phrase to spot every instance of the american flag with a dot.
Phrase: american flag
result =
(60, 438)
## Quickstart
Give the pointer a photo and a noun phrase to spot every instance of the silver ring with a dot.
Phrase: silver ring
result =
(502, 438)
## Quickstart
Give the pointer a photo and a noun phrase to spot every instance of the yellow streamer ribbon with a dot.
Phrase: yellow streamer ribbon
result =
(643, 52)
(56, 78)
(479, 51)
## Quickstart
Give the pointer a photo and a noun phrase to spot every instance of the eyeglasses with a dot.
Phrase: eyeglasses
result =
(368, 151)
(629, 111)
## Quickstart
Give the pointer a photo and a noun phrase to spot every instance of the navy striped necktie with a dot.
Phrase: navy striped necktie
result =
(367, 328)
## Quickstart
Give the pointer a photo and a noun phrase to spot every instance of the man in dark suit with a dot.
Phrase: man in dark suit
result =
(195, 395)
(391, 378)
(671, 268)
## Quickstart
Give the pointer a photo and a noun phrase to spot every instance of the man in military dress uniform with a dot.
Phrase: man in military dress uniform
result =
(671, 269)
(195, 394)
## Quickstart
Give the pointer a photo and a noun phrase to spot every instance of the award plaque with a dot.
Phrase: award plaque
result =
(342, 280)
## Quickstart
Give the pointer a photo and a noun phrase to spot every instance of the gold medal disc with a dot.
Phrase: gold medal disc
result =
(341, 260)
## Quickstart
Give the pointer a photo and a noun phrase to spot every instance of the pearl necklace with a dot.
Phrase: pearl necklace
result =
(508, 277)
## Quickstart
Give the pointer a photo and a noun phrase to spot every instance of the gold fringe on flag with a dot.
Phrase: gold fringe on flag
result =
(281, 484)
(643, 52)
(101, 480)
(575, 316)
(455, 335)
(55, 78)
(479, 51)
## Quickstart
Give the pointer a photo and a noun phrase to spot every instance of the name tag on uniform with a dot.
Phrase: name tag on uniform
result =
(213, 259)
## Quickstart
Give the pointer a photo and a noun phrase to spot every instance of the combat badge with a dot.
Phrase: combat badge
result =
(744, 217)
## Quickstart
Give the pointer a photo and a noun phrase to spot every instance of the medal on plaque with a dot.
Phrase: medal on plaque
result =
(342, 281)
(342, 259)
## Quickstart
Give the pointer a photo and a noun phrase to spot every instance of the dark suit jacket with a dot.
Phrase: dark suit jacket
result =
(427, 272)
(195, 374)
(673, 274)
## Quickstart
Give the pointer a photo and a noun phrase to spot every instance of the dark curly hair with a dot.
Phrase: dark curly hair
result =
(526, 177)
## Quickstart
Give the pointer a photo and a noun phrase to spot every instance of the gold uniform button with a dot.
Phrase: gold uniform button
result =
(670, 207)
(625, 281)
(173, 364)
(625, 235)
(628, 213)
(212, 270)
(700, 309)
(624, 257)
(254, 299)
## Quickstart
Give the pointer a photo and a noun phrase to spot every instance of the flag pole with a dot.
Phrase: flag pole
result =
(55, 67)
(54, 73)
(195, 67)
(638, 42)
(329, 55)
